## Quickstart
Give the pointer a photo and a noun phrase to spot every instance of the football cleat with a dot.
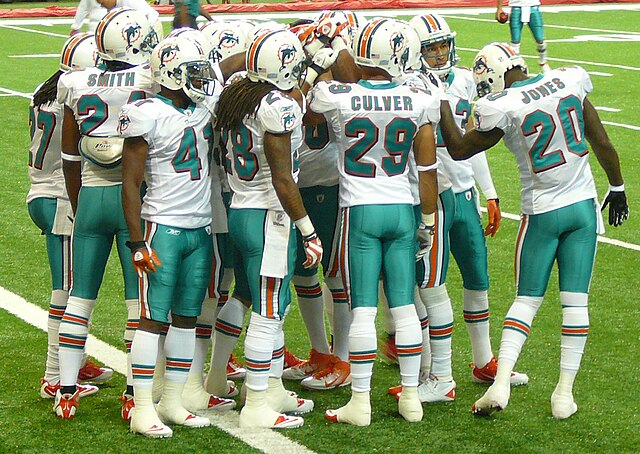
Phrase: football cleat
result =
(562, 405)
(495, 399)
(434, 390)
(127, 406)
(487, 374)
(409, 405)
(48, 391)
(65, 405)
(91, 372)
(290, 360)
(388, 351)
(357, 412)
(180, 416)
(336, 374)
(316, 362)
(257, 413)
(284, 401)
(148, 424)
(235, 371)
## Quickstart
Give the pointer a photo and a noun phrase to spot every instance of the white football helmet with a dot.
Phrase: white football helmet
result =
(227, 38)
(276, 57)
(192, 35)
(340, 17)
(413, 61)
(125, 35)
(262, 27)
(491, 64)
(432, 28)
(178, 63)
(382, 43)
(79, 52)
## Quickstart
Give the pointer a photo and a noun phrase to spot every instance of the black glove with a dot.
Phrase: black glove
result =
(618, 208)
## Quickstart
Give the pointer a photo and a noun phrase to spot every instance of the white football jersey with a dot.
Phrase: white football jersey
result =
(544, 128)
(250, 175)
(375, 123)
(318, 157)
(514, 3)
(96, 96)
(177, 169)
(45, 163)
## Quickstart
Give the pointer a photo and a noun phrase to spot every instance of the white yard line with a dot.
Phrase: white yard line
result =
(597, 73)
(35, 56)
(264, 440)
(621, 125)
(607, 109)
(57, 35)
(8, 92)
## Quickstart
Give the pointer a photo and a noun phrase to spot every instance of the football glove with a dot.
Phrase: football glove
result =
(618, 208)
(144, 258)
(313, 250)
(495, 216)
(425, 239)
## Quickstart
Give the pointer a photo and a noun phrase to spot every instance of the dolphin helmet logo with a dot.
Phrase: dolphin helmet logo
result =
(168, 53)
(132, 33)
(286, 53)
(480, 65)
(228, 39)
(397, 41)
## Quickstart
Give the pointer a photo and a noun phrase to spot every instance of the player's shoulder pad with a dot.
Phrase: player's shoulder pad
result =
(279, 112)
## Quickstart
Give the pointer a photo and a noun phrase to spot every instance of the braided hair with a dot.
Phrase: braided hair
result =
(48, 91)
(239, 100)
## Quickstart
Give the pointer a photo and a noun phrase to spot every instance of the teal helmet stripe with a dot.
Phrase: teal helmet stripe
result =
(371, 35)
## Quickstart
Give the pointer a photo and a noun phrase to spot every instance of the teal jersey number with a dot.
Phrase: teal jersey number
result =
(208, 134)
(97, 110)
(463, 108)
(186, 159)
(244, 161)
(569, 111)
(316, 136)
(45, 121)
(398, 137)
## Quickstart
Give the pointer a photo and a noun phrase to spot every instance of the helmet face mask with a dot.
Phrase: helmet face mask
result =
(491, 65)
(433, 30)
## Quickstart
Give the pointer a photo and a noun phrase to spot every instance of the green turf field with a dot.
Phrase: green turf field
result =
(606, 389)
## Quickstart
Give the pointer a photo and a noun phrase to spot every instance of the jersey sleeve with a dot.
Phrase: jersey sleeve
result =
(64, 89)
(320, 98)
(278, 113)
(136, 119)
(486, 116)
(581, 78)
(430, 107)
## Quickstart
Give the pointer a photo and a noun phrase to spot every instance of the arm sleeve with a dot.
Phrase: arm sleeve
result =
(320, 98)
(136, 119)
(279, 114)
(482, 175)
(81, 14)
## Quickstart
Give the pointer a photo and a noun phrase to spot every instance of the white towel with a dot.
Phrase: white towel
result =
(63, 222)
(526, 14)
(275, 255)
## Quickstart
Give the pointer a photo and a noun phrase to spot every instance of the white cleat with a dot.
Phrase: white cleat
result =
(495, 399)
(284, 401)
(562, 405)
(357, 412)
(336, 375)
(409, 405)
(197, 400)
(545, 68)
(258, 414)
(434, 390)
(487, 374)
(180, 416)
(148, 424)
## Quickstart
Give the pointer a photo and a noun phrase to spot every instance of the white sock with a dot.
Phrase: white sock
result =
(259, 343)
(575, 328)
(73, 332)
(515, 47)
(408, 343)
(516, 328)
(57, 305)
(133, 319)
(178, 349)
(311, 307)
(362, 347)
(341, 318)
(476, 318)
(204, 328)
(425, 356)
(438, 305)
(542, 52)
(277, 358)
(144, 351)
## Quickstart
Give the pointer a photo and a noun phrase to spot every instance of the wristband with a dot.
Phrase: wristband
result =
(71, 157)
(613, 188)
(428, 219)
(433, 166)
(135, 245)
(305, 226)
(313, 71)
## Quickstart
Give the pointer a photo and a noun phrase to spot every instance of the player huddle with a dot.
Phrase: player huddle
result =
(254, 153)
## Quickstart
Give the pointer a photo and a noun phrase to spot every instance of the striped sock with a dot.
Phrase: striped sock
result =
(341, 318)
(476, 318)
(133, 320)
(362, 347)
(542, 52)
(515, 47)
(57, 306)
(144, 351)
(425, 356)
(204, 328)
(277, 358)
(575, 328)
(178, 348)
(259, 343)
(438, 304)
(408, 343)
(311, 307)
(74, 329)
(516, 328)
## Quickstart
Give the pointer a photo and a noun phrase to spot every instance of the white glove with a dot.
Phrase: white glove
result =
(426, 231)
(324, 58)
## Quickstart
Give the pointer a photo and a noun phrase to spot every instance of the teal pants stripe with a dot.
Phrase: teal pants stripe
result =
(567, 235)
(99, 219)
(379, 238)
(180, 284)
(468, 244)
(535, 24)
(43, 213)
(269, 296)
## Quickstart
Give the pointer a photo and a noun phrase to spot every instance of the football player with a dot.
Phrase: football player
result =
(377, 123)
(87, 9)
(153, 17)
(546, 122)
(91, 153)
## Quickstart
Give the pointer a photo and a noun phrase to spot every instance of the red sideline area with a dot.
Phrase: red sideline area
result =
(55, 11)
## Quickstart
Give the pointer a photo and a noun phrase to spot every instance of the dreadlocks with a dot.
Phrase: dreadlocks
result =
(48, 90)
(238, 100)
